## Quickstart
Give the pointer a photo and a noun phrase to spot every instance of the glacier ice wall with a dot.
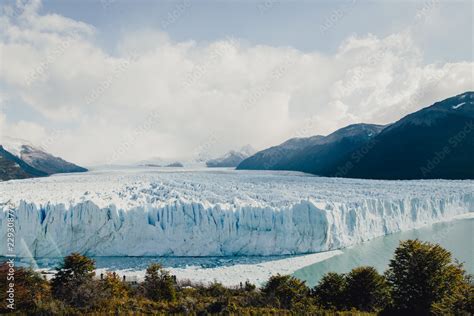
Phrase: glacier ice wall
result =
(191, 229)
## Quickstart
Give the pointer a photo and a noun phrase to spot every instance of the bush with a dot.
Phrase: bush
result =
(159, 284)
(422, 280)
(74, 284)
(284, 291)
(331, 290)
(216, 289)
(30, 288)
(366, 290)
(114, 292)
(425, 280)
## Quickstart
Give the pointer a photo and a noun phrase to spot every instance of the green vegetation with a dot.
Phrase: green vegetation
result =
(284, 291)
(159, 284)
(422, 279)
(425, 280)
(330, 291)
(73, 283)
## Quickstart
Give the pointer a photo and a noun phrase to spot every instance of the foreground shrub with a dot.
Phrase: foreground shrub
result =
(74, 283)
(29, 288)
(366, 290)
(422, 280)
(284, 291)
(114, 292)
(331, 290)
(159, 284)
(425, 280)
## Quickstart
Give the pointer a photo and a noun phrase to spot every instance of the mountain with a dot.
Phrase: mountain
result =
(176, 164)
(232, 158)
(435, 142)
(21, 159)
(159, 163)
(315, 154)
(152, 162)
(12, 167)
(272, 157)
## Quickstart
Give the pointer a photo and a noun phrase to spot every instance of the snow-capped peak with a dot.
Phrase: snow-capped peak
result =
(232, 158)
(16, 145)
(36, 158)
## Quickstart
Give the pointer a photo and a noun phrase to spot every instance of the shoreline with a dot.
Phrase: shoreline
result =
(229, 276)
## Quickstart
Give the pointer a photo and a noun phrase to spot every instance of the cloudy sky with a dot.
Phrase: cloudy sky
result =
(115, 81)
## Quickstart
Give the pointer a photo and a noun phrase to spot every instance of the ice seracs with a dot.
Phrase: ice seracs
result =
(217, 213)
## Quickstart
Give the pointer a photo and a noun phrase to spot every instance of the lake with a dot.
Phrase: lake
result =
(457, 236)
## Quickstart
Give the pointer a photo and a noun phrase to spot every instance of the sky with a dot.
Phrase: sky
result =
(121, 81)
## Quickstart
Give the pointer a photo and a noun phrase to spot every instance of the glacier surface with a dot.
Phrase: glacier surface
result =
(157, 212)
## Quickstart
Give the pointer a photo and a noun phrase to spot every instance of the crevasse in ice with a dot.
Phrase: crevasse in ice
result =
(216, 213)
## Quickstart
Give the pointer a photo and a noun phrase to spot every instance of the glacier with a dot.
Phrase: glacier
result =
(223, 212)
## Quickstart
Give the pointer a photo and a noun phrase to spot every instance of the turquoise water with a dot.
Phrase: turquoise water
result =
(456, 236)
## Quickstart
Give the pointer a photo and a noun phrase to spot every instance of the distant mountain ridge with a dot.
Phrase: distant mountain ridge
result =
(232, 158)
(20, 159)
(435, 142)
(12, 167)
(300, 153)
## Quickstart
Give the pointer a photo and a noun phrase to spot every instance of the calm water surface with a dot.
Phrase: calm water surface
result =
(457, 236)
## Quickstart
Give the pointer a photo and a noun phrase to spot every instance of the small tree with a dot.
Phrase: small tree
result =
(331, 290)
(461, 302)
(73, 282)
(284, 291)
(159, 284)
(424, 279)
(79, 265)
(114, 290)
(366, 290)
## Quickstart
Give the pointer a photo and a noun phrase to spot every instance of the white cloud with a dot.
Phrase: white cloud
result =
(240, 93)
